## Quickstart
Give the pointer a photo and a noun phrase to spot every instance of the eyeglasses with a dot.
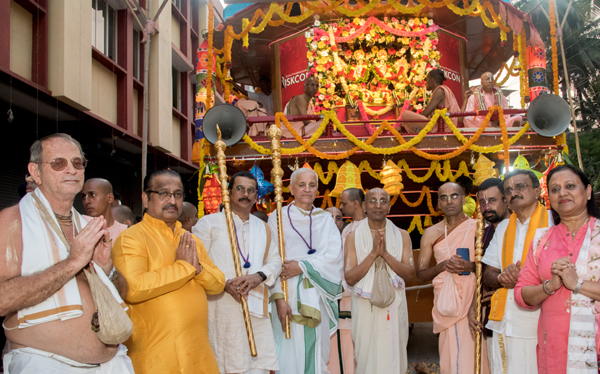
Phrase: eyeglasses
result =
(446, 198)
(519, 187)
(61, 163)
(165, 195)
(241, 190)
(380, 201)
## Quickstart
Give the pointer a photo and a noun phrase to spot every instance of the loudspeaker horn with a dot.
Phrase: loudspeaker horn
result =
(549, 115)
(231, 121)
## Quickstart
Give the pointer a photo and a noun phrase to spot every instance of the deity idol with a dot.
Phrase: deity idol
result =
(382, 68)
(359, 71)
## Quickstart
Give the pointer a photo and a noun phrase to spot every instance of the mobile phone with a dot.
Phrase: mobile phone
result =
(464, 253)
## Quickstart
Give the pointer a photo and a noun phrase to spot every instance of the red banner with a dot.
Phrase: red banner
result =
(448, 47)
(293, 63)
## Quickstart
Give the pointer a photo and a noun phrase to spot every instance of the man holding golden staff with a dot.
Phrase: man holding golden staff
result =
(513, 348)
(261, 266)
(169, 275)
(45, 245)
(380, 323)
(313, 271)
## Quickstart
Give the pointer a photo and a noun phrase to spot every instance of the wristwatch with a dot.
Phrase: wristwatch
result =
(576, 289)
(262, 275)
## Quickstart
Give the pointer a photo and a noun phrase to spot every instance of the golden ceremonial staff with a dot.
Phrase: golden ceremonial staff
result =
(478, 276)
(220, 145)
(277, 174)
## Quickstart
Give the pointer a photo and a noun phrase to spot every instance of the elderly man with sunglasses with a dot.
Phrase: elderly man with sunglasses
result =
(44, 245)
(453, 279)
(261, 266)
(513, 348)
(169, 275)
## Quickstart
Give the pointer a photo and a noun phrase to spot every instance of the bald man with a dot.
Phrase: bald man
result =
(189, 216)
(453, 291)
(97, 197)
(482, 98)
(379, 330)
(123, 214)
(337, 217)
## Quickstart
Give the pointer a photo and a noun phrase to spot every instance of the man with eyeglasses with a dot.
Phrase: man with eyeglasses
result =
(514, 328)
(97, 197)
(379, 329)
(313, 271)
(44, 246)
(169, 275)
(261, 266)
(341, 357)
(453, 279)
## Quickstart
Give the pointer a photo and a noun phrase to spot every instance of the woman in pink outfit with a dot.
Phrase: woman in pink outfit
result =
(561, 273)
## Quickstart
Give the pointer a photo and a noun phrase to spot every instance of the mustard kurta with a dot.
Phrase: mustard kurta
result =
(167, 300)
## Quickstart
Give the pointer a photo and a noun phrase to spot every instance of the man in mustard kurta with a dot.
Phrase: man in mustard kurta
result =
(169, 275)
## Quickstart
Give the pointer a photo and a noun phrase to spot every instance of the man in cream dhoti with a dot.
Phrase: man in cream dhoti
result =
(341, 356)
(379, 330)
(482, 98)
(453, 293)
(514, 341)
(45, 244)
(97, 197)
(261, 266)
(302, 105)
(313, 271)
(169, 275)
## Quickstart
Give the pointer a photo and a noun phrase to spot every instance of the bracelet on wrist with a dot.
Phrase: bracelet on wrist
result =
(576, 289)
(546, 290)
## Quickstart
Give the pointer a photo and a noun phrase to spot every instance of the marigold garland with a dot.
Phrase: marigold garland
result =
(552, 16)
(211, 18)
(504, 137)
(522, 63)
(416, 224)
(366, 145)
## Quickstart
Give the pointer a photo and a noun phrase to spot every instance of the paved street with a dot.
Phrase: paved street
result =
(423, 347)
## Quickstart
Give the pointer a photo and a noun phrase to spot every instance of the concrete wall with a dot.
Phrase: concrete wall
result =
(21, 40)
(104, 92)
(160, 89)
(176, 145)
(69, 52)
(176, 32)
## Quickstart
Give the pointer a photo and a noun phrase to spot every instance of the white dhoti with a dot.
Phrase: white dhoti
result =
(512, 355)
(35, 361)
(380, 335)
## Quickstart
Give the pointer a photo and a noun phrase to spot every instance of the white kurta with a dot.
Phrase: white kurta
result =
(226, 328)
(518, 328)
(313, 294)
(380, 334)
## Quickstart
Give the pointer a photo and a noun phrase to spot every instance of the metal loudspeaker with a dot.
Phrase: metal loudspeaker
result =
(231, 121)
(549, 115)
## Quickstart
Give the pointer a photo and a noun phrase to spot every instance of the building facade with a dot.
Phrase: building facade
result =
(78, 66)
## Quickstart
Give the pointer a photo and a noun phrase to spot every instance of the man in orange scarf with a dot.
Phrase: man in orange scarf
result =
(513, 348)
(453, 292)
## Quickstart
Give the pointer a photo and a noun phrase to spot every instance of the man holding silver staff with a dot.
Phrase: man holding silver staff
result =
(313, 271)
(261, 266)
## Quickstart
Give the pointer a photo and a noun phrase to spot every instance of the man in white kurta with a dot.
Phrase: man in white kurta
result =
(513, 348)
(379, 332)
(261, 266)
(313, 271)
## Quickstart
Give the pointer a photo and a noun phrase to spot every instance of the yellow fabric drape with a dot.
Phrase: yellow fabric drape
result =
(167, 300)
(538, 220)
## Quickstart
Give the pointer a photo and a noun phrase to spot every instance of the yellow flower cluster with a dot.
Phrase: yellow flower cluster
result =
(404, 145)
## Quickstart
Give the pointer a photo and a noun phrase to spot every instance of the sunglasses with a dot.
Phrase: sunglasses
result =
(61, 163)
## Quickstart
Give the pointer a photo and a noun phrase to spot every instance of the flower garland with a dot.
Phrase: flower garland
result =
(416, 224)
(394, 30)
(523, 80)
(211, 17)
(467, 143)
(509, 72)
(201, 166)
(552, 16)
(504, 137)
